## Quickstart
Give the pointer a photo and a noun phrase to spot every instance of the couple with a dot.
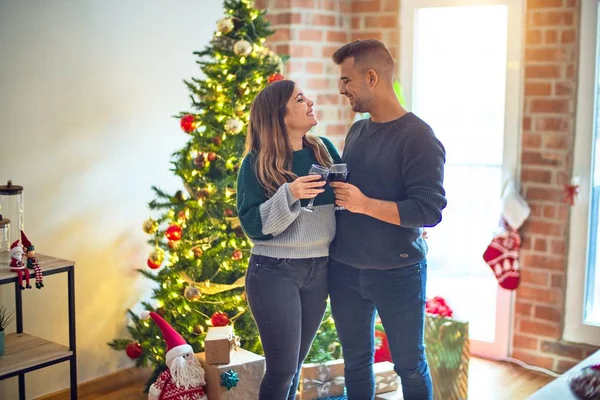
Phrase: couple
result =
(373, 260)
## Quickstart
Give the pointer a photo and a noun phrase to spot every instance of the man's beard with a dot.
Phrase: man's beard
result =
(186, 373)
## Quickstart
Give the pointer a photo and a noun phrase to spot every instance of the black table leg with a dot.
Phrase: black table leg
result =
(22, 387)
(73, 362)
(19, 307)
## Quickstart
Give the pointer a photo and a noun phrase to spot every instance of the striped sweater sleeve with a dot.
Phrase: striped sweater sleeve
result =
(262, 217)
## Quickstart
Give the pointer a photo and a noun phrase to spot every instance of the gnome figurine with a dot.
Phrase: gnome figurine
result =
(184, 378)
(16, 264)
(32, 261)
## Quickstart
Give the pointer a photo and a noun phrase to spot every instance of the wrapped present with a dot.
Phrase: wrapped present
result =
(320, 380)
(218, 344)
(238, 380)
(386, 379)
(448, 354)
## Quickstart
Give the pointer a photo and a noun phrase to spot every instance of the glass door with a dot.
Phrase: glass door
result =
(460, 69)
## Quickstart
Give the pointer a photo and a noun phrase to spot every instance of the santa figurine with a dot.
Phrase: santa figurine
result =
(16, 264)
(184, 378)
(32, 261)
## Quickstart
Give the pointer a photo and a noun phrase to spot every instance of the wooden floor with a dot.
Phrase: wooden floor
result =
(488, 380)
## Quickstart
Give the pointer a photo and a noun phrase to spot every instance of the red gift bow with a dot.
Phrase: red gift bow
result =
(571, 192)
(438, 306)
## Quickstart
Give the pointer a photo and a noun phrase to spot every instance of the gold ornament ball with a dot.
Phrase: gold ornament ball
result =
(192, 293)
(225, 25)
(242, 48)
(234, 126)
(157, 256)
(150, 226)
(197, 252)
(173, 244)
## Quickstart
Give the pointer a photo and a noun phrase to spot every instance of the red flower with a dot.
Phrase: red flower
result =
(438, 306)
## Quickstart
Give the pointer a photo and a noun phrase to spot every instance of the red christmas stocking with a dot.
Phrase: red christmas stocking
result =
(502, 255)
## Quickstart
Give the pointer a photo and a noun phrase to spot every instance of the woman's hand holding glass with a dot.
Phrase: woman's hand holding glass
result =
(307, 187)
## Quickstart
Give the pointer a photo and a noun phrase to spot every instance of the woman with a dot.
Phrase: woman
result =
(286, 282)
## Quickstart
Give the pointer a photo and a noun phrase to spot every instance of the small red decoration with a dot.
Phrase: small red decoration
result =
(571, 192)
(382, 347)
(237, 255)
(173, 245)
(217, 140)
(134, 350)
(188, 123)
(173, 232)
(276, 77)
(211, 157)
(438, 306)
(219, 319)
(229, 212)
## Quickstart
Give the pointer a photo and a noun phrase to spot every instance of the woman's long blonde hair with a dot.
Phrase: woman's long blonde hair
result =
(268, 138)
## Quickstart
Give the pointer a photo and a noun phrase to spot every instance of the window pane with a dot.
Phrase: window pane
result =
(459, 89)
(592, 292)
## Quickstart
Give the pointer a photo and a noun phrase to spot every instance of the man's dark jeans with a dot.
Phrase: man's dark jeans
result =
(398, 295)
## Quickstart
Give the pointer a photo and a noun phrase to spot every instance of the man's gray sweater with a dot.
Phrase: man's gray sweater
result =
(400, 161)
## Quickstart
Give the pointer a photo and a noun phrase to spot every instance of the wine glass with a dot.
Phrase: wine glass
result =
(316, 169)
(338, 173)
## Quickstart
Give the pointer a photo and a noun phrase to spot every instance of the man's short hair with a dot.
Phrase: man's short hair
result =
(368, 54)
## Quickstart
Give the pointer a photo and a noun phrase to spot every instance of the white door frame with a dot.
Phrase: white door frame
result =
(575, 330)
(512, 139)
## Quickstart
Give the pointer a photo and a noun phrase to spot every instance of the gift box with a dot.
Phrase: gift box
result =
(386, 379)
(218, 344)
(238, 380)
(318, 380)
(448, 354)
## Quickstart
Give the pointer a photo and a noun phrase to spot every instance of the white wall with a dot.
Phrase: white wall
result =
(87, 90)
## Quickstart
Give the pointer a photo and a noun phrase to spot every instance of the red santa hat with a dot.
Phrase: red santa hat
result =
(15, 248)
(176, 345)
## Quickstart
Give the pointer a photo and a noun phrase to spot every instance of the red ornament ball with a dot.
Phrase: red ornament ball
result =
(217, 140)
(153, 265)
(276, 77)
(229, 212)
(237, 255)
(211, 157)
(173, 232)
(134, 350)
(219, 319)
(188, 123)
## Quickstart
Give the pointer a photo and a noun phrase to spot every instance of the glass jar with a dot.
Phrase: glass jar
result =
(4, 234)
(13, 209)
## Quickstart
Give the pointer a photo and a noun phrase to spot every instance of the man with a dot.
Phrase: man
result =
(378, 258)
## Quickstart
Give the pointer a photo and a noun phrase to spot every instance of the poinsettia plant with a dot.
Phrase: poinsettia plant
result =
(437, 306)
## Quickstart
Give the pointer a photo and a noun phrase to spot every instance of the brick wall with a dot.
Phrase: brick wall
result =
(310, 30)
(551, 56)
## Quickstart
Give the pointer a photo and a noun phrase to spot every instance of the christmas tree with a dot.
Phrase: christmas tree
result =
(200, 253)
